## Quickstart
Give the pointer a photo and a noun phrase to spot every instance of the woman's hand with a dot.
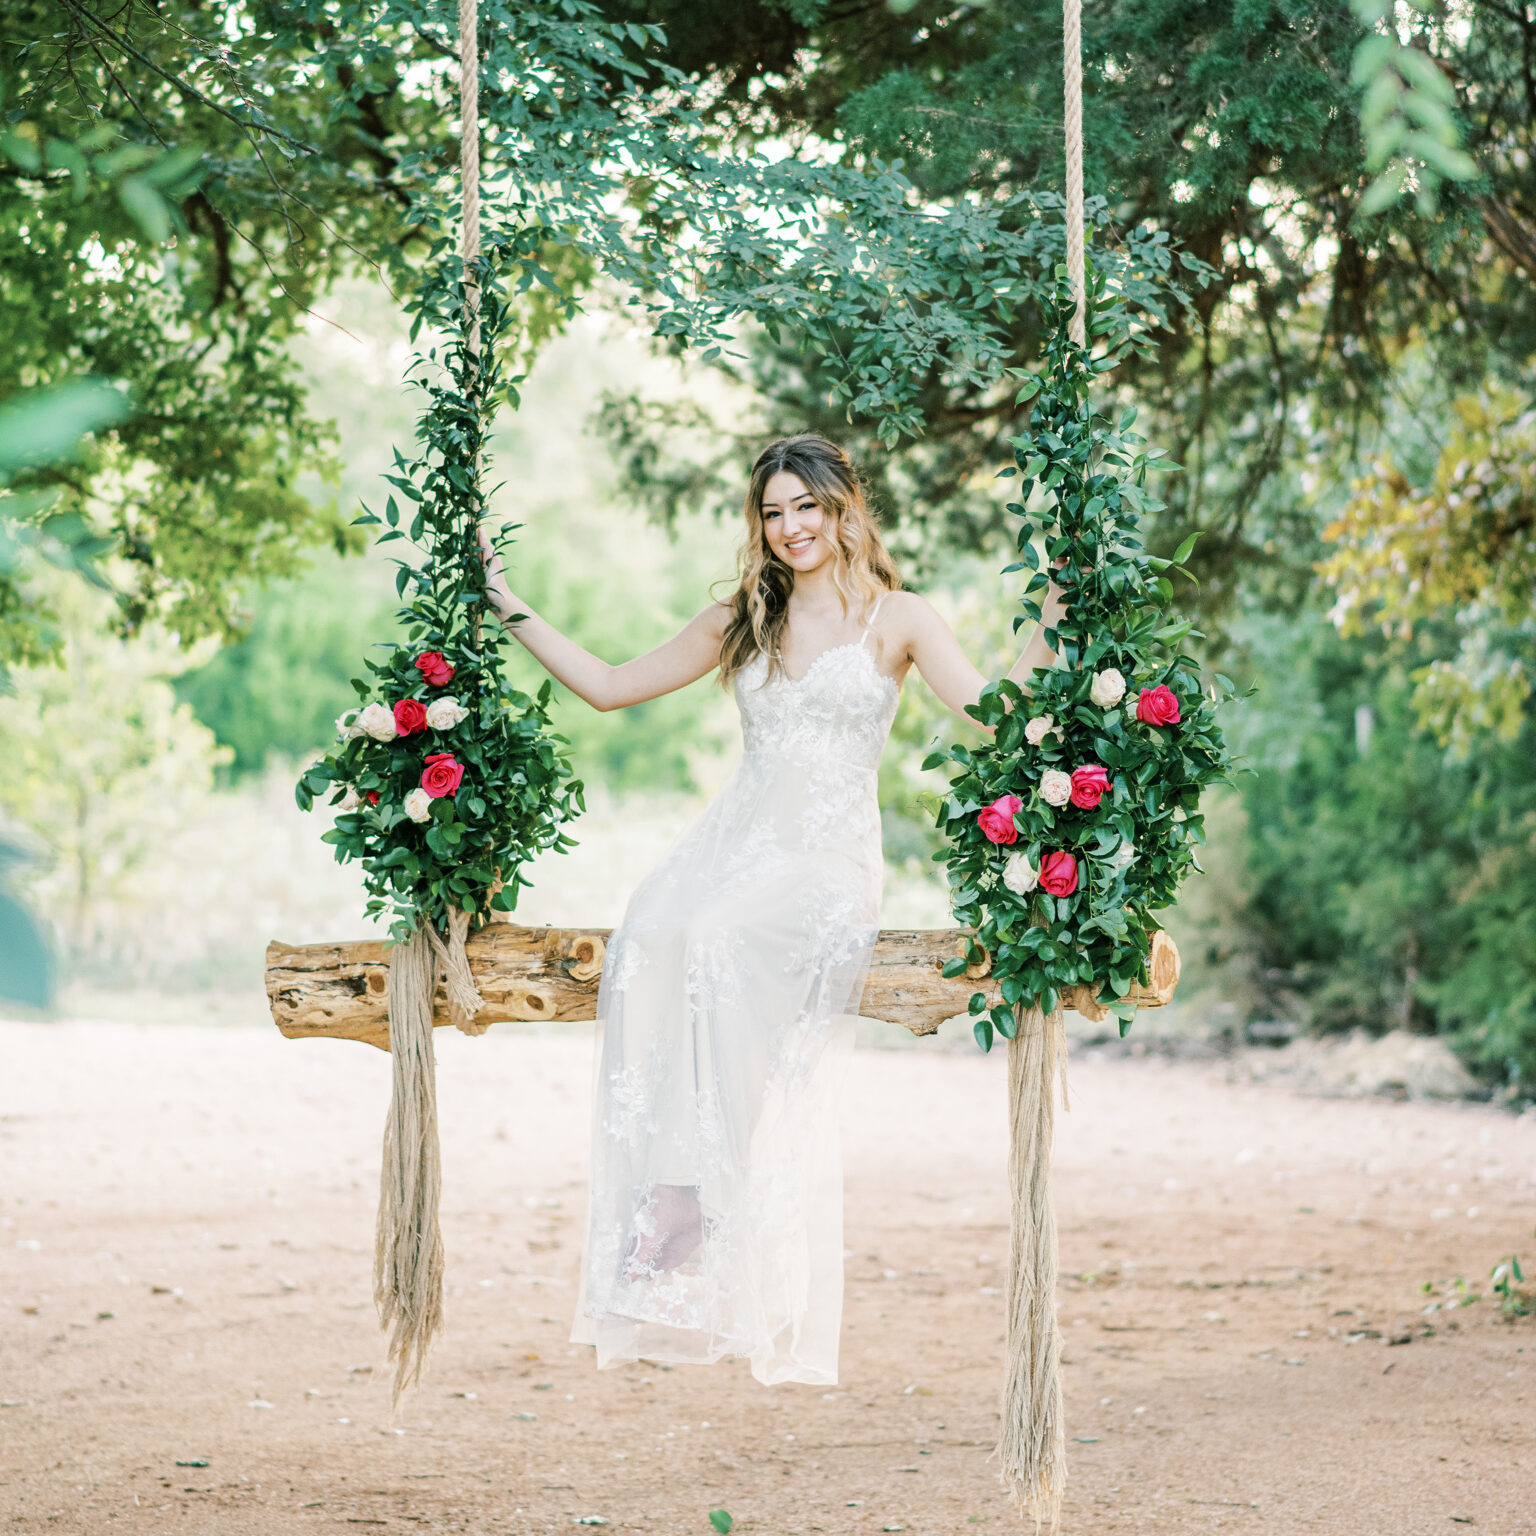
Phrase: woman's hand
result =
(677, 662)
(496, 589)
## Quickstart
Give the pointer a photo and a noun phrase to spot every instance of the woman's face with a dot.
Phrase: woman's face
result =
(795, 526)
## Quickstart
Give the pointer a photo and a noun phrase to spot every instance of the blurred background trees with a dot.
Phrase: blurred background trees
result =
(1349, 395)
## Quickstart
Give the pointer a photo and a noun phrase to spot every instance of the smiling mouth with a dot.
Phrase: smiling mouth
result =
(796, 546)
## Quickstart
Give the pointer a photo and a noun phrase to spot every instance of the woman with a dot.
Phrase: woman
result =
(715, 1216)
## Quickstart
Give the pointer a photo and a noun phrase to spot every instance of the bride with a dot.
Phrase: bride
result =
(726, 1006)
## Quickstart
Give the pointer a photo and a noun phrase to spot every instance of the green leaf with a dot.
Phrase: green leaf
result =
(146, 207)
(1384, 191)
(720, 1521)
(953, 968)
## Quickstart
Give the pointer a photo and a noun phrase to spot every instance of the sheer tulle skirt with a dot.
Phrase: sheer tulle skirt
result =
(725, 1021)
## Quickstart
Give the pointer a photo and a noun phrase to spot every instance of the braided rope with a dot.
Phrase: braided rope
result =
(1072, 72)
(469, 162)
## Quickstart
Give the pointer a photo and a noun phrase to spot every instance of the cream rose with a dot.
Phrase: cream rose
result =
(378, 721)
(1038, 728)
(1019, 875)
(418, 805)
(347, 727)
(351, 800)
(444, 714)
(1055, 786)
(1107, 688)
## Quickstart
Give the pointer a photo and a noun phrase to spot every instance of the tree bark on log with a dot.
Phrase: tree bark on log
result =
(341, 991)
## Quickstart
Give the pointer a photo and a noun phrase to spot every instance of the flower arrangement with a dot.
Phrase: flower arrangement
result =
(1076, 822)
(445, 780)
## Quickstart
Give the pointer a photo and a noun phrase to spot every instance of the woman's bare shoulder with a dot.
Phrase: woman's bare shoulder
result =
(906, 610)
(715, 617)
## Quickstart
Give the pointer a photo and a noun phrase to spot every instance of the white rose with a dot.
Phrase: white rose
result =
(1123, 857)
(418, 805)
(1019, 875)
(1055, 786)
(351, 800)
(444, 714)
(1037, 729)
(347, 727)
(378, 722)
(1107, 688)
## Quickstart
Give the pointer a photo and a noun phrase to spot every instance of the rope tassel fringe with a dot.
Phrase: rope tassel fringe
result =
(1031, 1440)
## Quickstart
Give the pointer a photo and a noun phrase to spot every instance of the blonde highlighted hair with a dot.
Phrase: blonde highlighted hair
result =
(862, 571)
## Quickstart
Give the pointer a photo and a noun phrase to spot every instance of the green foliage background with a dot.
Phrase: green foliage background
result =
(1375, 877)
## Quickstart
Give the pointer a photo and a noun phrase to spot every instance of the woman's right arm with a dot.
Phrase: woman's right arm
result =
(687, 656)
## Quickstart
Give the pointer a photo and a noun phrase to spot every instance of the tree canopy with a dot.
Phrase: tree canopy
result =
(1235, 129)
(291, 143)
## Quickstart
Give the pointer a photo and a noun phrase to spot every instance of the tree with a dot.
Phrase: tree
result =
(1234, 129)
(105, 767)
(1390, 884)
(1459, 549)
(171, 205)
(325, 135)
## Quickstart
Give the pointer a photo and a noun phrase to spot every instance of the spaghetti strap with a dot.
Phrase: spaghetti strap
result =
(874, 613)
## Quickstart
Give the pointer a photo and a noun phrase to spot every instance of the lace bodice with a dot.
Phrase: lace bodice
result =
(837, 714)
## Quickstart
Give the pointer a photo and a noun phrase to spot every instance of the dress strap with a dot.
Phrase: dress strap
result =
(874, 613)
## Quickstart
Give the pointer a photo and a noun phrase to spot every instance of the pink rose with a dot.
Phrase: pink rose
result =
(996, 820)
(437, 672)
(410, 717)
(1158, 706)
(1058, 874)
(1088, 785)
(442, 775)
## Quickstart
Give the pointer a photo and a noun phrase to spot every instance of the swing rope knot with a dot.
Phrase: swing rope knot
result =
(452, 970)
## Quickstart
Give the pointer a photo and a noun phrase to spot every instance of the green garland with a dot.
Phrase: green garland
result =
(1080, 817)
(446, 779)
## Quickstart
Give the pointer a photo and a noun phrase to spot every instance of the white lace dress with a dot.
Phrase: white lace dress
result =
(726, 1013)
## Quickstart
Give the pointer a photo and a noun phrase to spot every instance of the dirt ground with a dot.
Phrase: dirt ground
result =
(188, 1343)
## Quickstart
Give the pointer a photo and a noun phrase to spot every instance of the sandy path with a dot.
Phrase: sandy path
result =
(185, 1237)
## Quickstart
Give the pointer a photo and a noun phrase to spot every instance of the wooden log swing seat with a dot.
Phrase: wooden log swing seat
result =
(525, 975)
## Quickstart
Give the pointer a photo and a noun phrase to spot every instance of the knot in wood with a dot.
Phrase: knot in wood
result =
(584, 957)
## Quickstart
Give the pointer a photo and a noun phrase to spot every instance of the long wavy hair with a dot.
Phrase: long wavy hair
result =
(862, 569)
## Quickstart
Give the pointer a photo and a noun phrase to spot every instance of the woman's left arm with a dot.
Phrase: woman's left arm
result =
(919, 631)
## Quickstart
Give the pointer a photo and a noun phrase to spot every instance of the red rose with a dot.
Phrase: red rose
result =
(434, 669)
(410, 717)
(996, 820)
(1058, 874)
(1158, 706)
(442, 775)
(373, 797)
(1088, 786)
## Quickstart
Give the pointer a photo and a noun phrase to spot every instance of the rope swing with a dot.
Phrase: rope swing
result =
(1032, 1445)
(1074, 928)
(408, 1240)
